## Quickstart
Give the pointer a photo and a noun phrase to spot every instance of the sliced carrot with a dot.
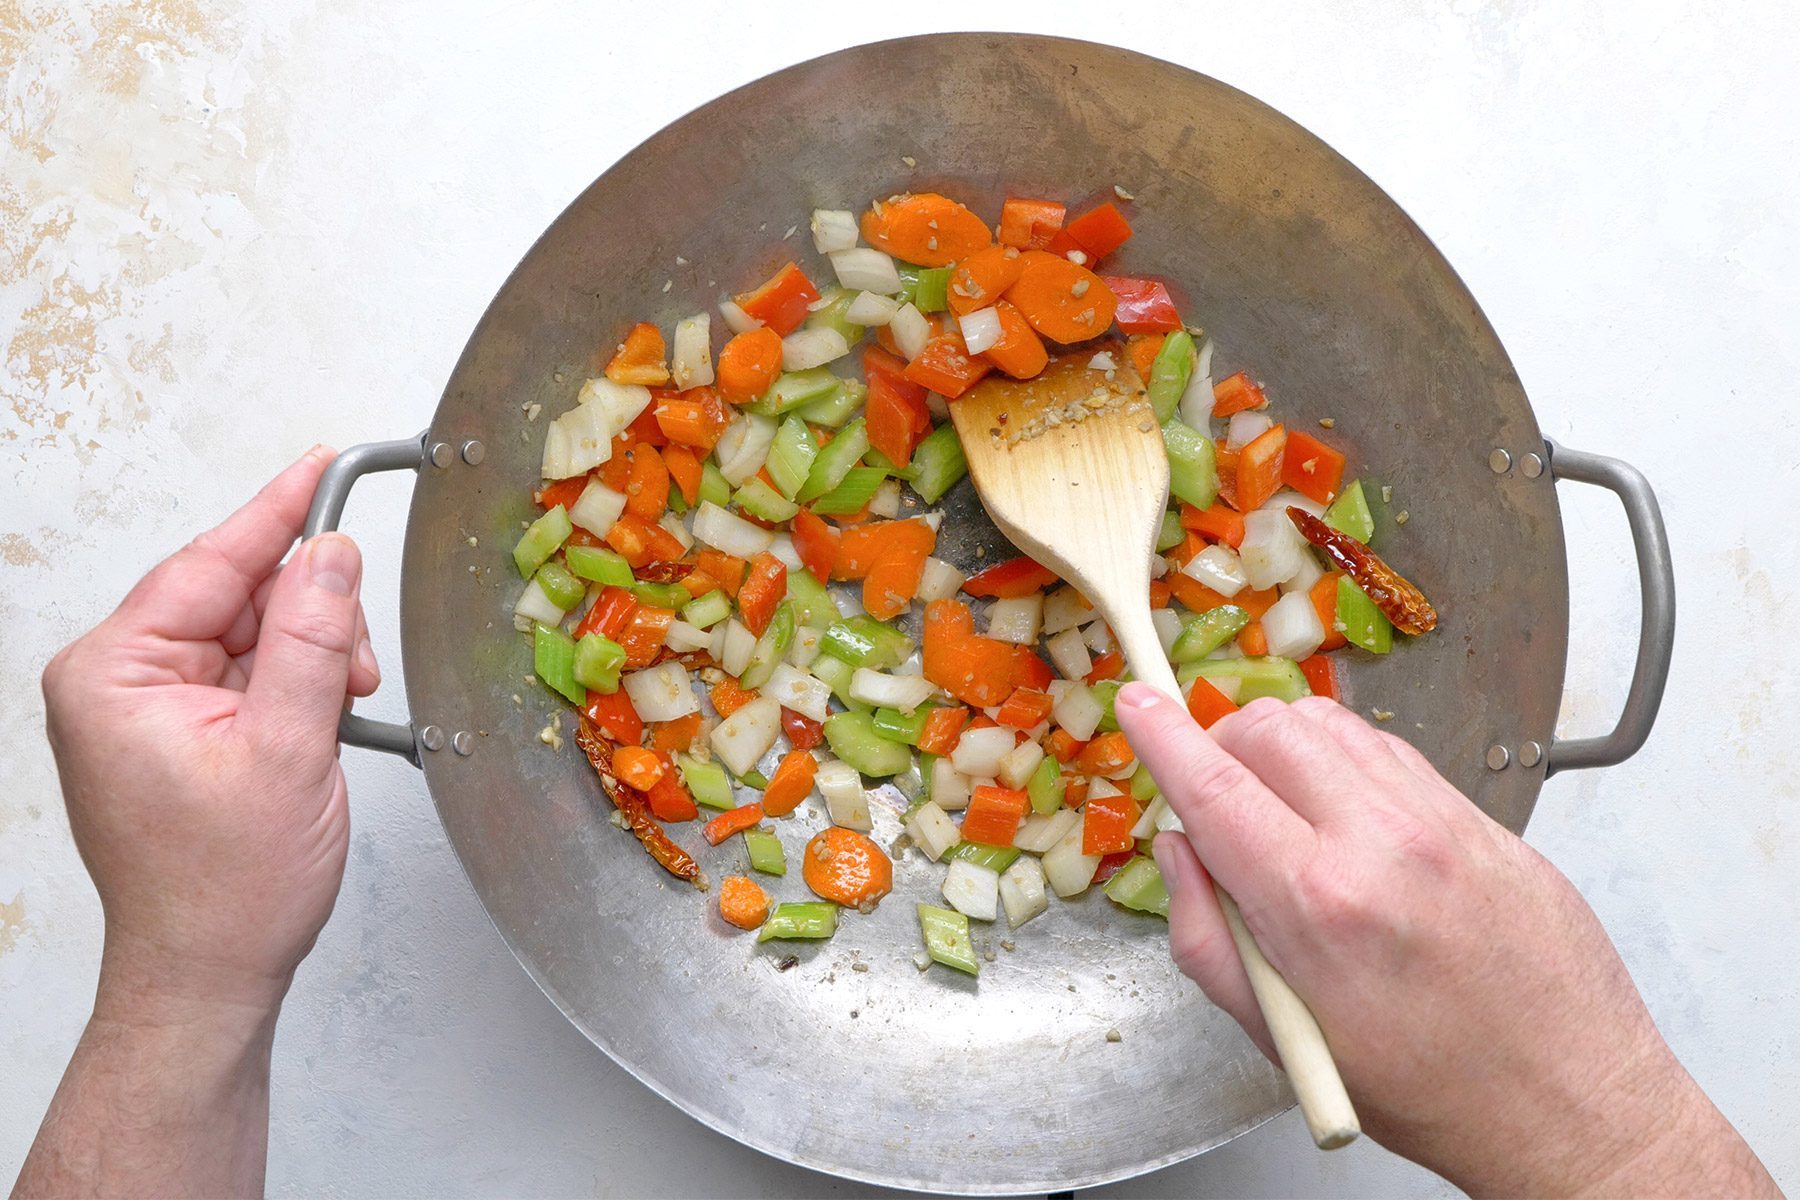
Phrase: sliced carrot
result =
(1010, 579)
(861, 550)
(1064, 302)
(1206, 703)
(948, 623)
(696, 418)
(643, 429)
(685, 471)
(742, 902)
(1324, 599)
(981, 278)
(697, 583)
(727, 569)
(790, 783)
(781, 302)
(1226, 459)
(847, 868)
(728, 696)
(637, 767)
(1108, 665)
(639, 358)
(803, 733)
(1062, 746)
(762, 591)
(1100, 230)
(981, 671)
(1253, 641)
(666, 737)
(1107, 754)
(1235, 394)
(1106, 823)
(943, 729)
(890, 586)
(1020, 351)
(563, 493)
(1142, 349)
(749, 364)
(647, 488)
(1219, 523)
(1030, 224)
(1183, 552)
(896, 416)
(732, 820)
(1311, 467)
(993, 815)
(1025, 708)
(1321, 676)
(924, 228)
(946, 367)
(669, 800)
(615, 472)
(816, 543)
(613, 714)
(1259, 469)
(643, 638)
(1159, 594)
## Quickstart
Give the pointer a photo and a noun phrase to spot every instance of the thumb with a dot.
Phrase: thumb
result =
(306, 645)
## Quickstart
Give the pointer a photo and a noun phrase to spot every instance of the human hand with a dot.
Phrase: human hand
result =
(1480, 1017)
(195, 730)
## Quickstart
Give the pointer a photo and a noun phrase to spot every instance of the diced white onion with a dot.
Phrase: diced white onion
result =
(886, 501)
(1103, 361)
(720, 632)
(933, 831)
(865, 269)
(1288, 498)
(740, 643)
(683, 637)
(1022, 891)
(1292, 626)
(1159, 566)
(1272, 549)
(1075, 708)
(832, 229)
(1040, 831)
(726, 531)
(1168, 626)
(795, 689)
(662, 692)
(1242, 428)
(911, 331)
(805, 648)
(939, 581)
(782, 547)
(598, 508)
(1099, 637)
(676, 528)
(980, 751)
(1146, 826)
(1066, 868)
(937, 406)
(1016, 768)
(1197, 402)
(1166, 820)
(736, 319)
(1069, 654)
(949, 787)
(804, 349)
(973, 890)
(1310, 572)
(1016, 619)
(744, 446)
(581, 439)
(534, 606)
(981, 329)
(1203, 356)
(870, 309)
(1065, 608)
(904, 692)
(691, 358)
(746, 735)
(1100, 787)
(1228, 685)
(1219, 568)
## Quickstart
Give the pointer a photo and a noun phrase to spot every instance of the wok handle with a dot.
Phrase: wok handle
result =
(1656, 631)
(326, 511)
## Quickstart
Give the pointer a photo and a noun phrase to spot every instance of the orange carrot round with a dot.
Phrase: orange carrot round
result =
(1019, 352)
(843, 866)
(925, 228)
(980, 278)
(790, 783)
(1064, 302)
(742, 902)
(749, 364)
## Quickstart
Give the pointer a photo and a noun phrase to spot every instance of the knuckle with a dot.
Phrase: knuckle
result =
(1217, 776)
(1335, 901)
(321, 630)
(1276, 732)
(1320, 705)
(1199, 952)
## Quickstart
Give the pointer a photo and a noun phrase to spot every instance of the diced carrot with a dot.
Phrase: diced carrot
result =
(615, 472)
(816, 543)
(666, 737)
(981, 671)
(697, 583)
(1184, 551)
(696, 418)
(1253, 641)
(644, 636)
(896, 416)
(728, 569)
(1218, 523)
(1142, 349)
(948, 623)
(1063, 747)
(613, 714)
(685, 471)
(845, 867)
(1010, 580)
(790, 783)
(763, 589)
(1324, 599)
(780, 303)
(980, 279)
(564, 492)
(732, 820)
(943, 729)
(643, 429)
(861, 549)
(1106, 823)
(642, 542)
(946, 367)
(1159, 594)
(1030, 224)
(1225, 460)
(609, 615)
(1020, 351)
(803, 733)
(1311, 467)
(924, 228)
(1100, 230)
(749, 364)
(1235, 394)
(1028, 670)
(742, 902)
(1321, 676)
(1107, 754)
(1025, 708)
(669, 799)
(890, 586)
(637, 767)
(1206, 703)
(1075, 790)
(983, 721)
(647, 489)
(1064, 302)
(993, 815)
(1107, 665)
(1259, 469)
(728, 696)
(639, 358)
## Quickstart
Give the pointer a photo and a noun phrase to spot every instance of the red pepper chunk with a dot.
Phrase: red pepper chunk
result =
(945, 366)
(609, 616)
(1009, 580)
(1099, 230)
(613, 713)
(803, 733)
(781, 303)
(1145, 305)
(762, 591)
(1207, 704)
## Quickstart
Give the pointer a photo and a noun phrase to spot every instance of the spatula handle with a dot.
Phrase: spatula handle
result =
(1298, 1039)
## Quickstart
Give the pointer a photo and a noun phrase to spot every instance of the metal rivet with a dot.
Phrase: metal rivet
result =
(1499, 462)
(432, 737)
(1497, 758)
(1530, 753)
(463, 743)
(1531, 466)
(473, 452)
(442, 454)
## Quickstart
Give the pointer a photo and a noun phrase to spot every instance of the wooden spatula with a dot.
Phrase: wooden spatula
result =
(1071, 467)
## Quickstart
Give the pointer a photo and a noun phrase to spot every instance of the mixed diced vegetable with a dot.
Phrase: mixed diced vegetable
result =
(734, 577)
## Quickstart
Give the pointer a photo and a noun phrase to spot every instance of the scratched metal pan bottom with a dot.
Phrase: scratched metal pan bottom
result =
(853, 1061)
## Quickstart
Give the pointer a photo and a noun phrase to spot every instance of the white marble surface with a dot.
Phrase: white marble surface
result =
(228, 230)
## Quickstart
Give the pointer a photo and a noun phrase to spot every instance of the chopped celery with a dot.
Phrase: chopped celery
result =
(565, 591)
(862, 641)
(1106, 695)
(597, 663)
(792, 389)
(1169, 373)
(707, 781)
(897, 726)
(932, 292)
(853, 738)
(856, 490)
(713, 485)
(813, 606)
(836, 674)
(1143, 787)
(1046, 786)
(660, 595)
(1171, 534)
(541, 539)
(836, 407)
(924, 762)
(1139, 885)
(791, 456)
(1207, 632)
(677, 502)
(770, 649)
(765, 853)
(1363, 623)
(938, 463)
(553, 658)
(1350, 514)
(755, 779)
(1258, 677)
(600, 565)
(1193, 471)
(705, 611)
(835, 461)
(800, 919)
(947, 939)
(994, 858)
(909, 281)
(832, 315)
(886, 465)
(760, 500)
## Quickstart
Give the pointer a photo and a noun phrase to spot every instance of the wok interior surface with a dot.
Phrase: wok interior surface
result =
(1304, 272)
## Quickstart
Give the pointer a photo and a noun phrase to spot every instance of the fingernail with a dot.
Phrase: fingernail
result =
(334, 563)
(1165, 863)
(365, 657)
(1138, 695)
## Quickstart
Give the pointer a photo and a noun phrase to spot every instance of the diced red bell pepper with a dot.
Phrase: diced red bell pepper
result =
(1145, 305)
(609, 616)
(644, 636)
(1111, 865)
(1107, 754)
(802, 731)
(1107, 665)
(1321, 676)
(781, 303)
(1010, 579)
(1235, 394)
(816, 543)
(640, 542)
(1206, 703)
(762, 591)
(945, 366)
(895, 414)
(564, 492)
(615, 717)
(1311, 467)
(1219, 523)
(1259, 469)
(669, 799)
(1100, 230)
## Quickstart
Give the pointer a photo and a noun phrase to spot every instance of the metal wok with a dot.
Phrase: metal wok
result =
(1305, 272)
